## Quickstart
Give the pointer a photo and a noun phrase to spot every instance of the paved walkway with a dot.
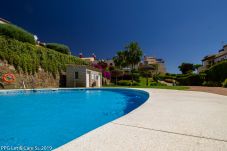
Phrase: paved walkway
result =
(215, 90)
(170, 120)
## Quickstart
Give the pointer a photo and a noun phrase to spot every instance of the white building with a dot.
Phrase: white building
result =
(83, 76)
(210, 60)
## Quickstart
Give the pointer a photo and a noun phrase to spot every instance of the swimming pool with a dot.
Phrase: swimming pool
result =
(51, 118)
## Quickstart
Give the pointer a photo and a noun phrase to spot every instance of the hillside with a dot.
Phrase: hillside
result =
(28, 61)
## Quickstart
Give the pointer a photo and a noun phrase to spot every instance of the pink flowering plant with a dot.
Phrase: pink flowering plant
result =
(104, 68)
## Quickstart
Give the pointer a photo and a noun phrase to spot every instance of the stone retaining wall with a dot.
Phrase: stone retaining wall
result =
(41, 79)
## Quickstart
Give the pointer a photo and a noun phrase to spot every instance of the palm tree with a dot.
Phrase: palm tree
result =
(120, 60)
(134, 54)
(130, 56)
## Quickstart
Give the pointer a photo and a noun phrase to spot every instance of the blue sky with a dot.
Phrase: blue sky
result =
(175, 30)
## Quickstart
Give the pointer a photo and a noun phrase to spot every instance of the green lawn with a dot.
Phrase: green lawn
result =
(143, 85)
(155, 87)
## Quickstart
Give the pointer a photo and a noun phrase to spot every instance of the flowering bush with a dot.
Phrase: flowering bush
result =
(105, 73)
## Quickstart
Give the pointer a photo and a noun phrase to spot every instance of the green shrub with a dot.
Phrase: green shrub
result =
(190, 80)
(171, 76)
(224, 84)
(169, 80)
(217, 73)
(17, 33)
(128, 76)
(157, 84)
(29, 58)
(58, 47)
(135, 83)
(211, 84)
(127, 83)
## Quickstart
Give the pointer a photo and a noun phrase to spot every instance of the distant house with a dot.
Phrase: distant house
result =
(3, 21)
(83, 76)
(149, 60)
(109, 62)
(89, 59)
(210, 60)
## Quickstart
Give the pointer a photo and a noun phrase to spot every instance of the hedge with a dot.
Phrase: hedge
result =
(211, 84)
(190, 80)
(127, 83)
(28, 58)
(59, 47)
(217, 73)
(128, 76)
(17, 33)
(157, 84)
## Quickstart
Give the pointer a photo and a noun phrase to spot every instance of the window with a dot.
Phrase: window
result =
(76, 75)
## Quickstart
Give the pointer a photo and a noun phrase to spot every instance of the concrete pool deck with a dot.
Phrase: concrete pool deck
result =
(170, 120)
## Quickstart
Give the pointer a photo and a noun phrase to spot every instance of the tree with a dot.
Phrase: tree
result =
(196, 67)
(120, 60)
(116, 74)
(148, 71)
(133, 54)
(103, 64)
(186, 68)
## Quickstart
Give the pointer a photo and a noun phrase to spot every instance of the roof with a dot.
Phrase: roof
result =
(85, 66)
(208, 57)
(160, 60)
(221, 53)
(3, 20)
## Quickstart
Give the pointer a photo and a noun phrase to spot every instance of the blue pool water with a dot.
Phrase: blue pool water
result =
(53, 118)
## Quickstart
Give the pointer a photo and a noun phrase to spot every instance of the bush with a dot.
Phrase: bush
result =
(217, 73)
(190, 80)
(17, 33)
(135, 83)
(127, 83)
(59, 48)
(157, 84)
(224, 84)
(211, 84)
(169, 80)
(29, 58)
(128, 76)
(124, 82)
